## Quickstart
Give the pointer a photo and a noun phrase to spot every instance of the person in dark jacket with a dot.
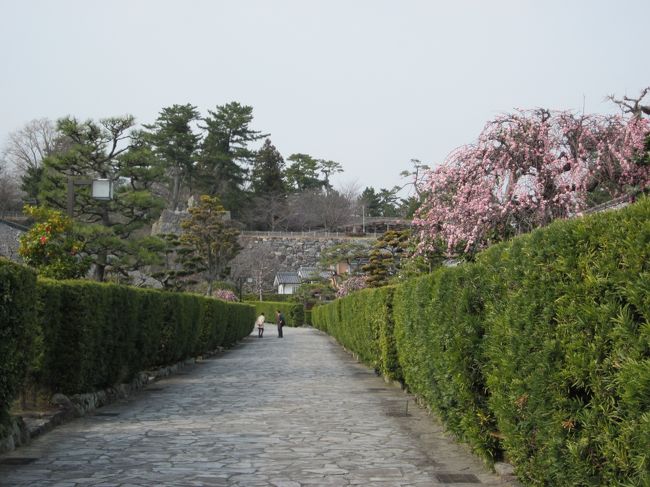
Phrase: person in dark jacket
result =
(280, 321)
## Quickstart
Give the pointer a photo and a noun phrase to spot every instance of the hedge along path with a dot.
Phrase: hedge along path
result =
(17, 332)
(75, 337)
(538, 351)
(269, 412)
(96, 335)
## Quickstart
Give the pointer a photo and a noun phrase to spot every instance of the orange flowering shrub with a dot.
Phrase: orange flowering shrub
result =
(51, 246)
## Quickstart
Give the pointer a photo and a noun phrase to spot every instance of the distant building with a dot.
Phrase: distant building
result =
(313, 274)
(286, 282)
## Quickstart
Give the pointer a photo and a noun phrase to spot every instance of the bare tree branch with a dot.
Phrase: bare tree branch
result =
(633, 105)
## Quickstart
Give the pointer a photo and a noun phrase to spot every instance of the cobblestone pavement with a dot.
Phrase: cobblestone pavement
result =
(291, 412)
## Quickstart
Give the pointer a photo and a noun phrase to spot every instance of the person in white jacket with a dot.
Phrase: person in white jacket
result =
(259, 322)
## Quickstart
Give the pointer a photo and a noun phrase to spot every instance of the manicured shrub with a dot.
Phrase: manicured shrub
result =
(539, 350)
(18, 333)
(96, 335)
(439, 333)
(358, 328)
(568, 353)
(362, 322)
(270, 297)
(325, 316)
(240, 318)
(388, 356)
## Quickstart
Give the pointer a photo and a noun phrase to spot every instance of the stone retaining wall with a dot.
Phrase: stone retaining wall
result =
(9, 236)
(265, 253)
(265, 256)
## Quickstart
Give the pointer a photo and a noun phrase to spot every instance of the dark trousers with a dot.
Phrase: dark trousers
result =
(280, 331)
(260, 332)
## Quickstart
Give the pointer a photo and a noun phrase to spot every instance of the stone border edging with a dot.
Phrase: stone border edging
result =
(23, 428)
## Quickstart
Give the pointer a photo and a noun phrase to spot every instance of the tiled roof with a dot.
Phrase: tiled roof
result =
(306, 272)
(287, 278)
(313, 273)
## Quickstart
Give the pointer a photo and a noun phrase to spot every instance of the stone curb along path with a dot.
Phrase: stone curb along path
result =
(291, 412)
(28, 426)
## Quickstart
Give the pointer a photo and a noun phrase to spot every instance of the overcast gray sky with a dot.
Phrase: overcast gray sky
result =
(368, 83)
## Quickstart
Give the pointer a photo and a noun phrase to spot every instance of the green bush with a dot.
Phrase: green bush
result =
(95, 335)
(241, 320)
(18, 333)
(388, 357)
(357, 329)
(540, 350)
(439, 333)
(363, 323)
(294, 313)
(568, 351)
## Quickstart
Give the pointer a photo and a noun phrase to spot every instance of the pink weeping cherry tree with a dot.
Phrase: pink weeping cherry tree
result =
(527, 169)
(354, 283)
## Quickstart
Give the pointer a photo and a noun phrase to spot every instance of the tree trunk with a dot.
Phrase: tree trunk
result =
(176, 189)
(100, 266)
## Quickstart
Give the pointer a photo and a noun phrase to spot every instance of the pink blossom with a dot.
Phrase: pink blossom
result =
(224, 295)
(354, 283)
(525, 170)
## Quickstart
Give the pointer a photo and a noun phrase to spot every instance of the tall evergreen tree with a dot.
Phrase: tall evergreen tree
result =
(370, 201)
(268, 207)
(267, 172)
(175, 143)
(302, 174)
(225, 153)
(327, 168)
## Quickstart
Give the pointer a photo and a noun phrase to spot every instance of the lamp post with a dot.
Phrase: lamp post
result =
(240, 283)
(102, 189)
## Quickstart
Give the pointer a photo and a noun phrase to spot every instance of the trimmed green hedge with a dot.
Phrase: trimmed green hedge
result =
(539, 351)
(96, 335)
(363, 323)
(439, 333)
(294, 313)
(79, 336)
(567, 349)
(17, 331)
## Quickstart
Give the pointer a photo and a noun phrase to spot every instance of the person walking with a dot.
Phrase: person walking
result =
(260, 325)
(279, 319)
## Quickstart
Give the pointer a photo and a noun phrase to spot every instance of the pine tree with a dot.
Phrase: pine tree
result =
(105, 149)
(386, 256)
(175, 144)
(211, 242)
(302, 174)
(225, 153)
(267, 173)
(370, 201)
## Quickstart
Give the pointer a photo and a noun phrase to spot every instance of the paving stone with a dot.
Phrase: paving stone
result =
(296, 412)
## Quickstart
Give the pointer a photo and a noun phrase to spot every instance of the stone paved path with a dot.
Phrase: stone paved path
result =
(288, 412)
